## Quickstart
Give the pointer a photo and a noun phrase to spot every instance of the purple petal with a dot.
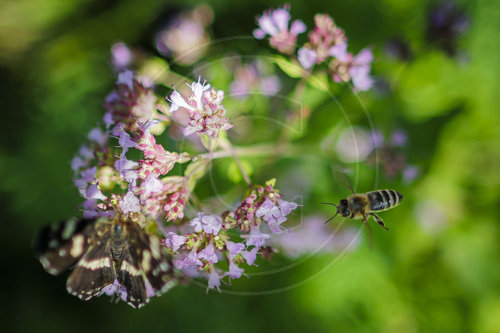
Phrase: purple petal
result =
(86, 152)
(120, 55)
(77, 163)
(93, 192)
(360, 77)
(98, 136)
(410, 173)
(287, 206)
(127, 78)
(377, 138)
(152, 185)
(234, 271)
(234, 248)
(399, 138)
(125, 141)
(256, 238)
(281, 17)
(250, 256)
(130, 203)
(259, 33)
(364, 57)
(88, 175)
(297, 27)
(267, 25)
(270, 85)
(339, 51)
(211, 224)
(208, 254)
(108, 119)
(196, 223)
(307, 57)
(174, 241)
(214, 280)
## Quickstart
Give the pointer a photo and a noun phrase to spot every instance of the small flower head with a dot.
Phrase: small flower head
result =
(204, 107)
(275, 24)
(324, 36)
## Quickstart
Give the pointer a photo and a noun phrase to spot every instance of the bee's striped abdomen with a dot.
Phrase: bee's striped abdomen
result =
(384, 199)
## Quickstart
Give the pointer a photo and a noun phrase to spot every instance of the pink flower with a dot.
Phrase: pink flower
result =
(127, 168)
(234, 248)
(307, 57)
(130, 203)
(275, 24)
(250, 256)
(210, 224)
(339, 51)
(115, 288)
(325, 35)
(249, 78)
(98, 136)
(126, 78)
(275, 215)
(120, 55)
(206, 113)
(214, 280)
(77, 163)
(345, 67)
(208, 254)
(93, 192)
(190, 259)
(256, 238)
(152, 185)
(174, 241)
(360, 70)
(125, 141)
(234, 272)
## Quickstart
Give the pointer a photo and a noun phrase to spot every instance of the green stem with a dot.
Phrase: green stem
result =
(256, 150)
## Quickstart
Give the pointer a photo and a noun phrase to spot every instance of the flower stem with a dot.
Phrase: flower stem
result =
(255, 150)
(228, 147)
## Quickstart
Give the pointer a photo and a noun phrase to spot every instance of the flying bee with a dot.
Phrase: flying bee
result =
(363, 205)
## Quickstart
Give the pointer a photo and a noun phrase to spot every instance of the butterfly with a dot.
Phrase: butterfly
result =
(107, 257)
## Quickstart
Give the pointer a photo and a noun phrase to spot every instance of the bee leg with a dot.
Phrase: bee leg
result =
(368, 230)
(379, 220)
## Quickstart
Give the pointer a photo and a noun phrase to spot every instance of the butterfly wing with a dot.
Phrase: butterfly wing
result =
(59, 246)
(95, 270)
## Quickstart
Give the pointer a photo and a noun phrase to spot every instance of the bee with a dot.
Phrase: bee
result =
(363, 205)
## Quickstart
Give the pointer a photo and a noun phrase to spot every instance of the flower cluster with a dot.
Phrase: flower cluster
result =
(327, 44)
(185, 37)
(275, 24)
(208, 241)
(249, 78)
(204, 106)
(391, 156)
(123, 171)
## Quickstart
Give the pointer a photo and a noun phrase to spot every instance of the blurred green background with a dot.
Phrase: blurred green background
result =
(437, 270)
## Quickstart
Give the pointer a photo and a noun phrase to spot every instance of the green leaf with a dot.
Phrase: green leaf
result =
(291, 68)
(194, 171)
(319, 81)
(233, 172)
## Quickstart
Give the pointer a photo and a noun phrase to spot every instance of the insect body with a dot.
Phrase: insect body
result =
(362, 206)
(108, 257)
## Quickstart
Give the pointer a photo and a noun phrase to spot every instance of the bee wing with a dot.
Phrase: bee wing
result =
(59, 246)
(370, 234)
